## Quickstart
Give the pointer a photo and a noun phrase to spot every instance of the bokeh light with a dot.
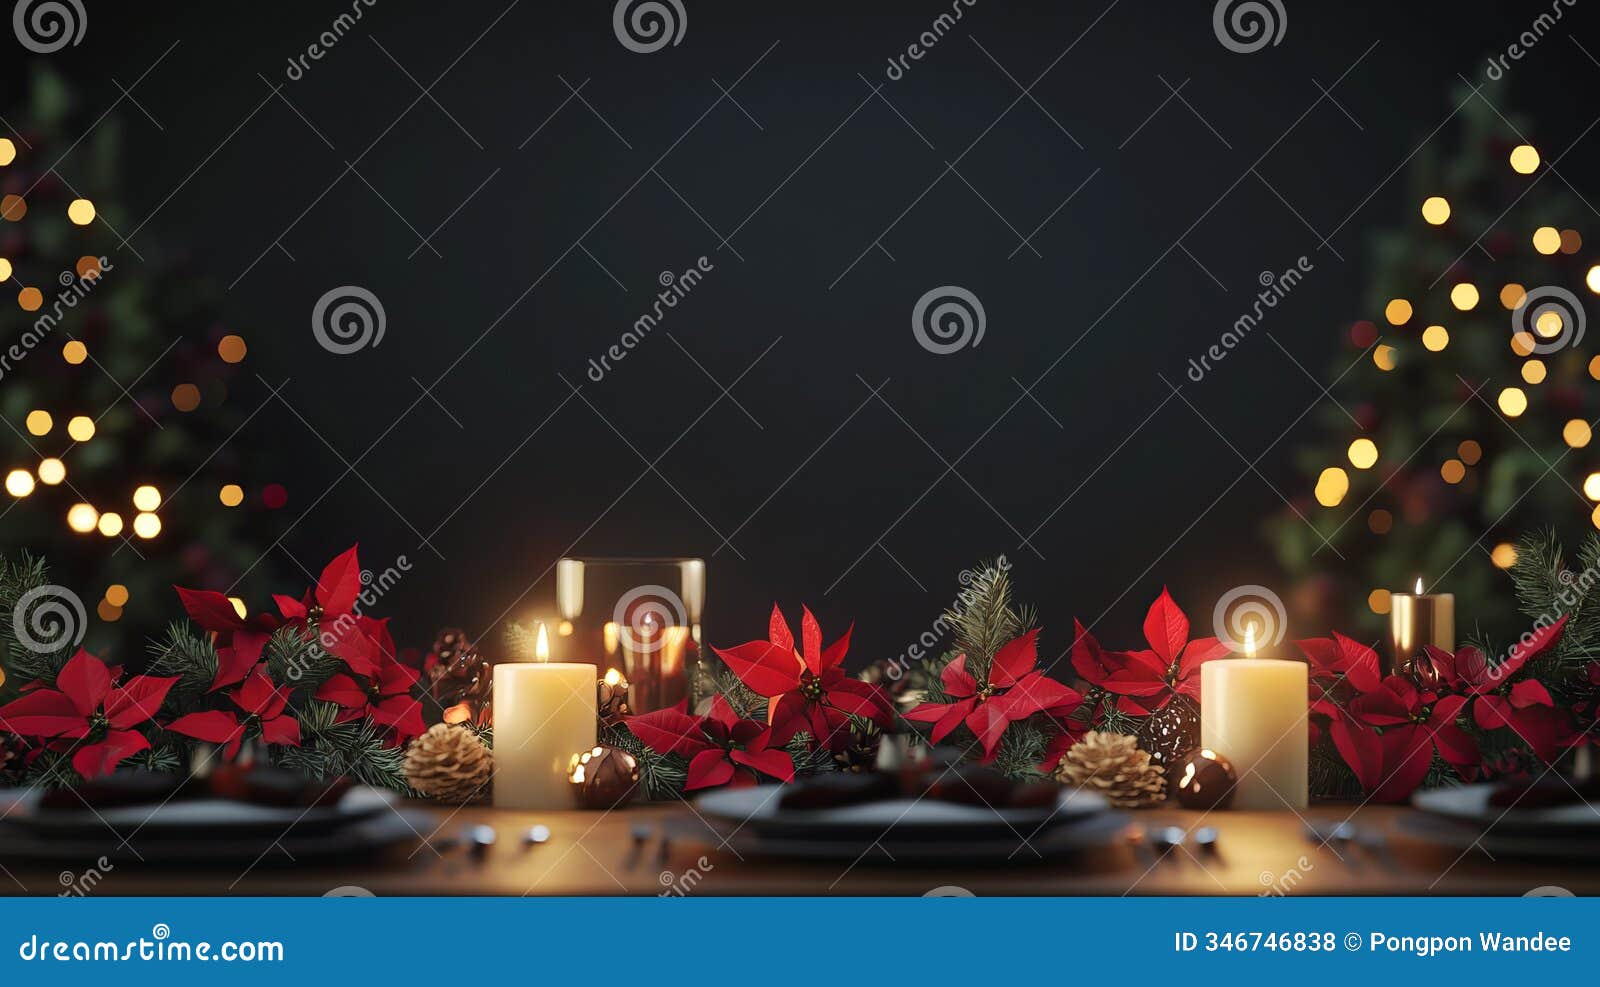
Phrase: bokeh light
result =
(52, 471)
(146, 525)
(110, 524)
(39, 422)
(1464, 296)
(1332, 485)
(1524, 159)
(74, 352)
(1363, 454)
(1435, 209)
(1534, 371)
(1513, 402)
(231, 495)
(1547, 240)
(19, 483)
(82, 518)
(146, 498)
(1504, 555)
(81, 428)
(1435, 338)
(1398, 311)
(81, 211)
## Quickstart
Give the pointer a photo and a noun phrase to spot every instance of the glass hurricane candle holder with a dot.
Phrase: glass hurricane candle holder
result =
(640, 617)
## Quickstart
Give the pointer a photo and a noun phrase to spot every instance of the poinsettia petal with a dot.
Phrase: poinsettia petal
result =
(1455, 745)
(834, 653)
(137, 700)
(709, 769)
(1088, 660)
(213, 611)
(957, 680)
(778, 631)
(1407, 753)
(1530, 646)
(767, 669)
(283, 730)
(811, 640)
(1530, 692)
(776, 764)
(214, 726)
(1491, 712)
(235, 661)
(1200, 651)
(289, 607)
(339, 583)
(85, 680)
(988, 723)
(668, 731)
(1032, 693)
(43, 713)
(722, 712)
(882, 705)
(345, 640)
(1015, 659)
(342, 690)
(1361, 750)
(1166, 628)
(842, 698)
(94, 760)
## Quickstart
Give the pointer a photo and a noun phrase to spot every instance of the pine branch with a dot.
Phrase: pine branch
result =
(23, 664)
(356, 748)
(188, 654)
(984, 619)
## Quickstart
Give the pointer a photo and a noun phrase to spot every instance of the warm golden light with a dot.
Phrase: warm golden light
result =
(1383, 357)
(231, 495)
(612, 676)
(108, 611)
(82, 518)
(1398, 311)
(1513, 402)
(541, 645)
(30, 299)
(5, 269)
(1378, 601)
(232, 348)
(1547, 240)
(8, 151)
(1469, 451)
(1250, 640)
(1435, 209)
(117, 595)
(1464, 296)
(1595, 517)
(186, 397)
(1591, 486)
(1331, 487)
(239, 607)
(1524, 159)
(1512, 294)
(111, 524)
(1504, 555)
(1419, 585)
(1523, 343)
(81, 428)
(1592, 279)
(52, 471)
(39, 422)
(146, 498)
(1534, 371)
(1571, 241)
(1576, 433)
(1548, 324)
(564, 628)
(1363, 454)
(1435, 338)
(81, 212)
(1453, 471)
(459, 713)
(74, 352)
(19, 483)
(147, 525)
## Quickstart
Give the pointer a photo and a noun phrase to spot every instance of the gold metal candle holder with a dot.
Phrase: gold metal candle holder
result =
(1415, 621)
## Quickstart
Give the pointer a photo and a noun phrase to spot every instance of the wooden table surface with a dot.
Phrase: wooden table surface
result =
(592, 853)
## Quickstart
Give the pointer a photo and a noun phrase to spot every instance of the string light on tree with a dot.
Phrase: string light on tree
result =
(1524, 159)
(231, 495)
(1383, 357)
(147, 498)
(146, 525)
(82, 518)
(1504, 555)
(81, 428)
(39, 422)
(1464, 296)
(117, 595)
(52, 471)
(1435, 338)
(1513, 402)
(1547, 240)
(1363, 454)
(1332, 485)
(19, 483)
(1576, 433)
(1435, 210)
(74, 352)
(1453, 471)
(81, 212)
(1398, 311)
(1534, 371)
(1511, 296)
(110, 524)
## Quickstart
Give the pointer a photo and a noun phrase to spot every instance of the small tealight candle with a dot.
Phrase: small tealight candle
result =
(1419, 619)
(543, 712)
(1253, 712)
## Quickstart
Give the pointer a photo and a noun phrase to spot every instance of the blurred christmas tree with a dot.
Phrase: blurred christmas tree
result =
(114, 383)
(1461, 419)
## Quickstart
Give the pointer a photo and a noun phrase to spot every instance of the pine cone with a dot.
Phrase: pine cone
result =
(1113, 765)
(449, 763)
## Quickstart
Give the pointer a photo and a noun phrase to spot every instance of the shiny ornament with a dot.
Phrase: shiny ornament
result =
(1203, 779)
(1171, 731)
(611, 699)
(459, 678)
(604, 777)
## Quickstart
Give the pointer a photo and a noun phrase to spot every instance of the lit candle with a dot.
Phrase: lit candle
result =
(544, 712)
(1253, 712)
(1419, 619)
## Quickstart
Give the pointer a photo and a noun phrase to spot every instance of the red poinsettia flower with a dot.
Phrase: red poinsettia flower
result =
(1013, 690)
(718, 746)
(806, 690)
(1501, 700)
(1391, 760)
(329, 609)
(384, 696)
(1341, 669)
(86, 713)
(239, 640)
(260, 705)
(1145, 681)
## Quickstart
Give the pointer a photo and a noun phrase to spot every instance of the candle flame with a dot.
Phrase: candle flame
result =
(541, 646)
(1250, 640)
(1419, 585)
(613, 676)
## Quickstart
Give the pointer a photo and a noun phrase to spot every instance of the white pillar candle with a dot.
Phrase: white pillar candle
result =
(544, 712)
(1253, 712)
